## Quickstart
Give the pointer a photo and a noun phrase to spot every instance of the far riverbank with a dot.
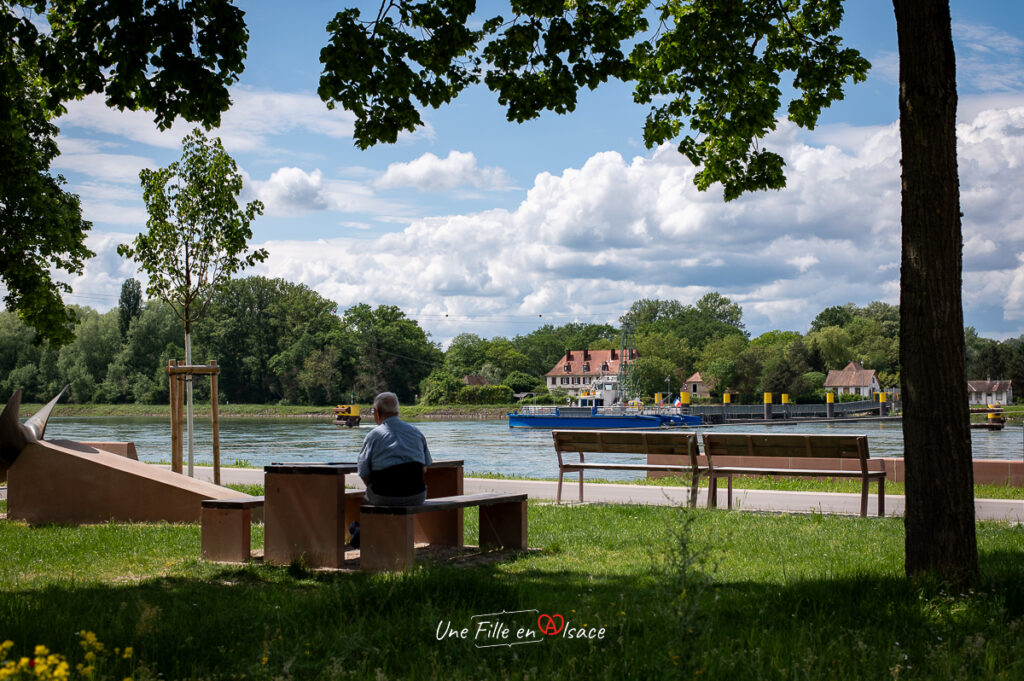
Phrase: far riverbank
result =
(274, 411)
(446, 412)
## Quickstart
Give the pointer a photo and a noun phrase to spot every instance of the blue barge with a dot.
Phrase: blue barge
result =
(591, 418)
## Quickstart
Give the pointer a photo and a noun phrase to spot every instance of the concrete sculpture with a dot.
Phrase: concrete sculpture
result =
(60, 481)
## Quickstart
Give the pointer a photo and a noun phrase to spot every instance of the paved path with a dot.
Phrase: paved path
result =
(744, 499)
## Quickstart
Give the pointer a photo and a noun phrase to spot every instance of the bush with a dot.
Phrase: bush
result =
(520, 382)
(484, 394)
(440, 387)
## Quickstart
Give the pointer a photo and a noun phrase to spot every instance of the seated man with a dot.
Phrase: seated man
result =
(394, 458)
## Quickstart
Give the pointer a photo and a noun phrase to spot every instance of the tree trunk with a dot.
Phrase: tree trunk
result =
(188, 399)
(939, 520)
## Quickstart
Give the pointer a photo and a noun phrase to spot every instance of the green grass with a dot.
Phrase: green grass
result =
(770, 483)
(680, 593)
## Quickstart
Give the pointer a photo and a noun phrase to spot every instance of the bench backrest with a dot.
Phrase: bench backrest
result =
(787, 446)
(657, 442)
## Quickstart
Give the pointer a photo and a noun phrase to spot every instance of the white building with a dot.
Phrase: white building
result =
(853, 380)
(990, 392)
(585, 370)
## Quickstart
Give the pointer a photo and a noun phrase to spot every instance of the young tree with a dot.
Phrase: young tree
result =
(197, 234)
(172, 58)
(712, 74)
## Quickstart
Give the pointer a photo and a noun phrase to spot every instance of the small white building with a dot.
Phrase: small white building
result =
(990, 392)
(853, 380)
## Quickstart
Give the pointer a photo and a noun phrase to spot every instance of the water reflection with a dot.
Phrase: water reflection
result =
(486, 446)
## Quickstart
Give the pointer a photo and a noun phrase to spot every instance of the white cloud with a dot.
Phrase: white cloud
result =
(105, 167)
(255, 117)
(588, 242)
(293, 191)
(430, 173)
(988, 59)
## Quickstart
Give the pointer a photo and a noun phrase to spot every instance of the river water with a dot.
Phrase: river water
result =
(486, 446)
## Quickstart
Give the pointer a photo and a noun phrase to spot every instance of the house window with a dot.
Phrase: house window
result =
(693, 388)
(586, 380)
(575, 380)
(586, 367)
(565, 368)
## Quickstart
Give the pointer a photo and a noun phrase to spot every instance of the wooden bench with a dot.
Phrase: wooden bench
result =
(667, 451)
(388, 534)
(226, 528)
(791, 455)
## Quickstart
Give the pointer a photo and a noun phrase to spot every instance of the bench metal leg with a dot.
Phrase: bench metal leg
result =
(581, 486)
(503, 525)
(865, 487)
(386, 542)
(561, 473)
(729, 494)
(226, 534)
(881, 497)
(712, 491)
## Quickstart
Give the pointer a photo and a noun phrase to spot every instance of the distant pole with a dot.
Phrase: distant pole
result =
(830, 405)
(767, 406)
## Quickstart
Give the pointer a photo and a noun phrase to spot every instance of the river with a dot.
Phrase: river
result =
(486, 446)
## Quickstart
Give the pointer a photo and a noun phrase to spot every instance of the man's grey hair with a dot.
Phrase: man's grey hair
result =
(386, 403)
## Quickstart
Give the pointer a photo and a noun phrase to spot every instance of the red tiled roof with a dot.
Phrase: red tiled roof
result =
(853, 375)
(988, 386)
(594, 360)
(695, 378)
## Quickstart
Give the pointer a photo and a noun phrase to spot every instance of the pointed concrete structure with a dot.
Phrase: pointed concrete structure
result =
(74, 482)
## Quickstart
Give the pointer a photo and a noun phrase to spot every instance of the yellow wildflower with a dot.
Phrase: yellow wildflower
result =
(128, 652)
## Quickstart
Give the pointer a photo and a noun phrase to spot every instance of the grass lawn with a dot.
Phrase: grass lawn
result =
(772, 483)
(692, 594)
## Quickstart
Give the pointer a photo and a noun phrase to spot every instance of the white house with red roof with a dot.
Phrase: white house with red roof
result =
(580, 370)
(990, 392)
(854, 379)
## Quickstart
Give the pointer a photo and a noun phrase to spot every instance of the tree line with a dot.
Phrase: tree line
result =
(279, 342)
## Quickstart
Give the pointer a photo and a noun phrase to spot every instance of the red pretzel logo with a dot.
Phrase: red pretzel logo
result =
(547, 625)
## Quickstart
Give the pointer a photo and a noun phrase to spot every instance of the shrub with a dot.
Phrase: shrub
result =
(484, 394)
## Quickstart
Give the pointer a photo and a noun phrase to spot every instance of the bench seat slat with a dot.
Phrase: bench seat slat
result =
(241, 503)
(795, 472)
(445, 503)
(569, 467)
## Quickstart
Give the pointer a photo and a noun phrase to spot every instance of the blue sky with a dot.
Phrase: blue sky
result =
(476, 224)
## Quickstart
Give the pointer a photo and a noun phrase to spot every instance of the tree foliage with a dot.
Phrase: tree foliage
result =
(173, 58)
(129, 305)
(41, 225)
(713, 70)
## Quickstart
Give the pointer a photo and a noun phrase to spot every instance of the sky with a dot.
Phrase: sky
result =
(474, 224)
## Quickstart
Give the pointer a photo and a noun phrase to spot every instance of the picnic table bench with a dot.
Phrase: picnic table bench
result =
(388, 533)
(668, 451)
(226, 528)
(791, 455)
